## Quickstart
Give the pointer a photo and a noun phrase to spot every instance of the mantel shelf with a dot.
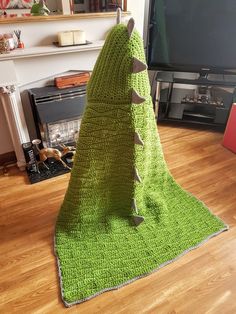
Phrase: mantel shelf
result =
(37, 51)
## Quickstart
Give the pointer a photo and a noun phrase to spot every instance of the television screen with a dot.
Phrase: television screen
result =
(192, 35)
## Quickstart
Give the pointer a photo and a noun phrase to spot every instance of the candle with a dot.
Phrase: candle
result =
(79, 37)
(65, 38)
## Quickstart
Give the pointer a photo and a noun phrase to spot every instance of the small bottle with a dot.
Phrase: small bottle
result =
(10, 39)
(21, 45)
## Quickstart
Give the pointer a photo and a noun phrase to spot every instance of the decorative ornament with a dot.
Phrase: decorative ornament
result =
(39, 8)
(45, 153)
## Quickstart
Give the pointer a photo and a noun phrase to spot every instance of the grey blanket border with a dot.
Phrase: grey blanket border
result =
(138, 277)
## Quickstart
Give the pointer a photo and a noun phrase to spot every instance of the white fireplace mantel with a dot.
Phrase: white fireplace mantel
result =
(39, 51)
(21, 68)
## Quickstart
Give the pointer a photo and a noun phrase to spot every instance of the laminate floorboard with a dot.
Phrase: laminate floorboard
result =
(202, 281)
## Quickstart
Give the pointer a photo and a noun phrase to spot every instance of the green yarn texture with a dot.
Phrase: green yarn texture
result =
(97, 244)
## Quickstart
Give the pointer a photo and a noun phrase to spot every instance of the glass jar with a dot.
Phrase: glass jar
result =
(4, 45)
(10, 39)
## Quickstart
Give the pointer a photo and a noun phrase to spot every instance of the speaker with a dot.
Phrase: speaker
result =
(221, 115)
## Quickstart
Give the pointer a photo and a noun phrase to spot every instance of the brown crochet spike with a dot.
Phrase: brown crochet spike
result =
(130, 26)
(118, 16)
(136, 217)
(136, 98)
(138, 220)
(134, 206)
(137, 139)
(138, 66)
(136, 176)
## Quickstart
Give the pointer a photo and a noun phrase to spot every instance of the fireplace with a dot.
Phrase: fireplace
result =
(57, 116)
(37, 66)
(57, 113)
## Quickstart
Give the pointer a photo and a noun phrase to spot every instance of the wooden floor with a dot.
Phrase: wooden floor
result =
(203, 281)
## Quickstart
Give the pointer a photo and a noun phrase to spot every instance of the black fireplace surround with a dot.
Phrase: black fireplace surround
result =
(52, 106)
(57, 115)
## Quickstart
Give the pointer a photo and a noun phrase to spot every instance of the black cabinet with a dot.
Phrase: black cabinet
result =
(203, 100)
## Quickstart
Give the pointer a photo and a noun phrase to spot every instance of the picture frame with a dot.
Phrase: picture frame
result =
(15, 4)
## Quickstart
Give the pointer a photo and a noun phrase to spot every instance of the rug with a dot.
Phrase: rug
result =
(123, 215)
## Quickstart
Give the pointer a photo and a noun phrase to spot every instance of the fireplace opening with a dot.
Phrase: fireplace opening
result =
(63, 131)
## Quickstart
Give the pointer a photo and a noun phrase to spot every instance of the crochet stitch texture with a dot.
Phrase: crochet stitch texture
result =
(119, 173)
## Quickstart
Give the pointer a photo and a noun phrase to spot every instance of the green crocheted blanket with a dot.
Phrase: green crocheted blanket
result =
(123, 215)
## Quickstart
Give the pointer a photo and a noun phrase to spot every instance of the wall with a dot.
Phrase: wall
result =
(43, 33)
(137, 8)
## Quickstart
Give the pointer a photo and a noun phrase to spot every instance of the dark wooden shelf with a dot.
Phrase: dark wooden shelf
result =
(173, 108)
(189, 121)
(218, 79)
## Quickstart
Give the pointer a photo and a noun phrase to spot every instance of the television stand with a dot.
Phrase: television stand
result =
(192, 98)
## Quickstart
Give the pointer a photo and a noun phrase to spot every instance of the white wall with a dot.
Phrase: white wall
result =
(43, 33)
(137, 8)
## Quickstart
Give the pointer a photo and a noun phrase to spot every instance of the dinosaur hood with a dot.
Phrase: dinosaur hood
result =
(112, 76)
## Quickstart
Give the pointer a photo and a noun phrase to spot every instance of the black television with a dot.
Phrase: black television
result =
(192, 36)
